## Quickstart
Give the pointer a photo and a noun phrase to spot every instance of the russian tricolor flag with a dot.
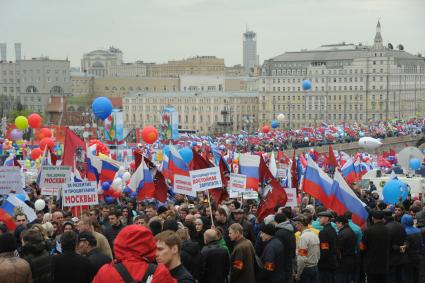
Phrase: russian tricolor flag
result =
(349, 171)
(142, 182)
(7, 211)
(344, 199)
(176, 164)
(249, 165)
(317, 183)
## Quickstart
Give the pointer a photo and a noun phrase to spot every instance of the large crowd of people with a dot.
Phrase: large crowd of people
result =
(192, 241)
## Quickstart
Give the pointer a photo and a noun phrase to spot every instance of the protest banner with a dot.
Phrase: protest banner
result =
(233, 194)
(237, 182)
(53, 178)
(250, 194)
(11, 180)
(80, 193)
(281, 173)
(205, 179)
(183, 185)
(291, 193)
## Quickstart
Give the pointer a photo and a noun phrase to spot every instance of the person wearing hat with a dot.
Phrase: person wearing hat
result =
(346, 248)
(87, 246)
(239, 217)
(12, 268)
(328, 248)
(308, 252)
(272, 255)
(376, 245)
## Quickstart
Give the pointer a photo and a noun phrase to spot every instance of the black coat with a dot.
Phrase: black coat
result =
(40, 261)
(111, 233)
(181, 274)
(191, 258)
(346, 250)
(414, 247)
(287, 238)
(328, 248)
(70, 267)
(215, 263)
(273, 262)
(398, 238)
(98, 259)
(376, 243)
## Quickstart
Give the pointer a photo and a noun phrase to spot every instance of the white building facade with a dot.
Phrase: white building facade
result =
(98, 62)
(250, 57)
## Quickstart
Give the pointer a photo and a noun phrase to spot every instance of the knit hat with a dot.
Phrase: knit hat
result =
(162, 209)
(268, 229)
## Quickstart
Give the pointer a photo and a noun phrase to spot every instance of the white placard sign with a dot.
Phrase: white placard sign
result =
(291, 193)
(80, 193)
(183, 185)
(233, 194)
(53, 178)
(250, 194)
(281, 173)
(237, 182)
(11, 180)
(205, 179)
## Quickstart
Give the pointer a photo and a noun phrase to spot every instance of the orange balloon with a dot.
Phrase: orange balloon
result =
(44, 133)
(149, 134)
(36, 153)
(35, 121)
(46, 142)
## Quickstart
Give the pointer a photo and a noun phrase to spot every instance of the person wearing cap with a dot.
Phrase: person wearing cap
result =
(285, 233)
(308, 252)
(12, 268)
(239, 217)
(376, 245)
(272, 255)
(87, 246)
(346, 250)
(328, 248)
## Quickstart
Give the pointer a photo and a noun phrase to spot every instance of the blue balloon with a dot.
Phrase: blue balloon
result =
(306, 84)
(106, 186)
(187, 154)
(109, 199)
(274, 124)
(20, 196)
(415, 163)
(102, 107)
(127, 190)
(393, 190)
(133, 195)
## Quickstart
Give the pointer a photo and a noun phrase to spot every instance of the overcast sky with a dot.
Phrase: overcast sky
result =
(162, 30)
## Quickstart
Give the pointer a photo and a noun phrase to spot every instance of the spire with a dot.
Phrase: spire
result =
(378, 42)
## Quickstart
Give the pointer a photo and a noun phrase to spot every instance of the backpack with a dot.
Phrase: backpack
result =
(125, 275)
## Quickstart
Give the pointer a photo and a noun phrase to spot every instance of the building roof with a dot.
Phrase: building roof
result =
(193, 94)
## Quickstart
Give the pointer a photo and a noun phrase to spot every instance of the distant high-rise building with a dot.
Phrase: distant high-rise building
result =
(18, 51)
(3, 47)
(250, 57)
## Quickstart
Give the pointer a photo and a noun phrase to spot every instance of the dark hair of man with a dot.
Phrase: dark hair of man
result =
(69, 241)
(155, 227)
(398, 205)
(280, 217)
(170, 238)
(20, 214)
(116, 212)
(151, 206)
(348, 214)
(32, 236)
(222, 211)
(288, 212)
(96, 211)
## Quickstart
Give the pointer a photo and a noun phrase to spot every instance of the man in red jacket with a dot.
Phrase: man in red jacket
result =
(135, 248)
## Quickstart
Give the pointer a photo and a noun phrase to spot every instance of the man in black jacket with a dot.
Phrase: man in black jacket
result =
(272, 256)
(190, 254)
(114, 227)
(328, 248)
(346, 250)
(87, 246)
(248, 231)
(398, 257)
(70, 267)
(35, 253)
(285, 233)
(376, 244)
(215, 260)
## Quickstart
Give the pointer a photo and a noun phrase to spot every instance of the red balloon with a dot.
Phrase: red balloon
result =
(35, 121)
(36, 153)
(46, 142)
(44, 133)
(266, 129)
(149, 134)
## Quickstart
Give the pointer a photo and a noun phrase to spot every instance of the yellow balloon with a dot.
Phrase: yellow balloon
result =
(21, 122)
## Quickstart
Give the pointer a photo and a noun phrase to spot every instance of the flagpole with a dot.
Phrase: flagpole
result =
(209, 204)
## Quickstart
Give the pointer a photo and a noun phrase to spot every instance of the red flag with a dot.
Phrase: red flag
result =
(332, 159)
(72, 143)
(294, 172)
(53, 157)
(382, 162)
(392, 152)
(275, 198)
(161, 187)
(385, 154)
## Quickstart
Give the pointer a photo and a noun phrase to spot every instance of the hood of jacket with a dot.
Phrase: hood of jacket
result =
(407, 222)
(135, 242)
(285, 225)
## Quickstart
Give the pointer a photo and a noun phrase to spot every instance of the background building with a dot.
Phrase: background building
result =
(98, 62)
(201, 83)
(136, 69)
(203, 112)
(250, 57)
(349, 83)
(199, 65)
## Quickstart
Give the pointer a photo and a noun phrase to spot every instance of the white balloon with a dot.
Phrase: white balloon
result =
(117, 183)
(126, 176)
(281, 117)
(39, 204)
(370, 143)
